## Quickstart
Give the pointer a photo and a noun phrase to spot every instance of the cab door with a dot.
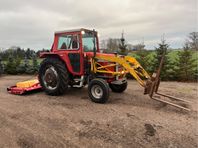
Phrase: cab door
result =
(69, 44)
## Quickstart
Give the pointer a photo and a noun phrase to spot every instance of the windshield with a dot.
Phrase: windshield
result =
(68, 42)
(88, 41)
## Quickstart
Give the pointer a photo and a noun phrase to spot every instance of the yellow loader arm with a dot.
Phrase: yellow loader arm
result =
(132, 66)
(129, 64)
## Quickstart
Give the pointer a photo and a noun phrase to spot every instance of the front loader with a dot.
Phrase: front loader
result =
(75, 60)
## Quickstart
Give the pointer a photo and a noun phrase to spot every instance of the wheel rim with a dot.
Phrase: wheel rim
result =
(50, 78)
(97, 91)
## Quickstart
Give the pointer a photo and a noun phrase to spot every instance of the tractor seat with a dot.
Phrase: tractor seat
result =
(63, 46)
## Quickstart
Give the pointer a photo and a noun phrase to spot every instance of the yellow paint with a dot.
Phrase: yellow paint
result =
(27, 84)
(129, 64)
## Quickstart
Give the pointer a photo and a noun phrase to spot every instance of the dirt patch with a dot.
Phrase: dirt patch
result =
(129, 119)
(150, 131)
(25, 141)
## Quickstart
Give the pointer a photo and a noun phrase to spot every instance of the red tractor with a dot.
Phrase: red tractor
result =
(69, 64)
(75, 60)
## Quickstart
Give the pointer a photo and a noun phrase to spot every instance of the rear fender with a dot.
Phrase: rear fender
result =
(61, 57)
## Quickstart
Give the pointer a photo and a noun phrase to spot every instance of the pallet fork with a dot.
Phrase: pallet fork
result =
(152, 88)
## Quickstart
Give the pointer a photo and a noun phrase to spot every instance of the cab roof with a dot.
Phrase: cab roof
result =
(72, 30)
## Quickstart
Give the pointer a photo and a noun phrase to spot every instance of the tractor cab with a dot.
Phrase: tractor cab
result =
(72, 46)
(79, 39)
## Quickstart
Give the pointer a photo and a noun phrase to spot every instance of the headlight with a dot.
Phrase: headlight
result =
(82, 32)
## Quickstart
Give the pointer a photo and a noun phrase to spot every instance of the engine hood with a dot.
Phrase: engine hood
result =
(91, 54)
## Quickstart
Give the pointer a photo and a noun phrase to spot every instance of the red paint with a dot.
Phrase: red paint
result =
(18, 91)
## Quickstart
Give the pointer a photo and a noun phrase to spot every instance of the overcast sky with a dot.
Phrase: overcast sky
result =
(31, 23)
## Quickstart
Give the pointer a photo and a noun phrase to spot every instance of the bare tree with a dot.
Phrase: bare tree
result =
(193, 40)
(139, 46)
(103, 44)
(113, 44)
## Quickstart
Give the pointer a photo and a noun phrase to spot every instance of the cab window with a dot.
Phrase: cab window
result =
(88, 42)
(68, 42)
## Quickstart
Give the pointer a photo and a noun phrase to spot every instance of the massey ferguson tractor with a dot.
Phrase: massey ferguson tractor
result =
(75, 60)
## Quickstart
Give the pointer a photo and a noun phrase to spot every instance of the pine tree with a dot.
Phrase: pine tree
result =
(122, 46)
(171, 70)
(142, 54)
(163, 47)
(11, 65)
(28, 53)
(28, 67)
(186, 64)
(18, 61)
(23, 66)
(35, 63)
(146, 59)
(1, 66)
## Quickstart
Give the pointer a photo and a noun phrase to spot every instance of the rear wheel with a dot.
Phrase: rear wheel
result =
(98, 90)
(118, 87)
(53, 76)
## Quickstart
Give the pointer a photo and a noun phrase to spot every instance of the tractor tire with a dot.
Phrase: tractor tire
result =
(118, 88)
(53, 76)
(98, 90)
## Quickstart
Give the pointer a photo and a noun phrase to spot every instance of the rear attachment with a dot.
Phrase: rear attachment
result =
(152, 86)
(24, 87)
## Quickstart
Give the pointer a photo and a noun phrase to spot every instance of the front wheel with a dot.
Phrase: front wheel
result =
(98, 90)
(118, 87)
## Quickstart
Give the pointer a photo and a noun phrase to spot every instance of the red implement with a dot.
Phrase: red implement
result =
(19, 91)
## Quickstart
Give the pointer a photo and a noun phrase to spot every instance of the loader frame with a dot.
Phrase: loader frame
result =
(128, 64)
(132, 66)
